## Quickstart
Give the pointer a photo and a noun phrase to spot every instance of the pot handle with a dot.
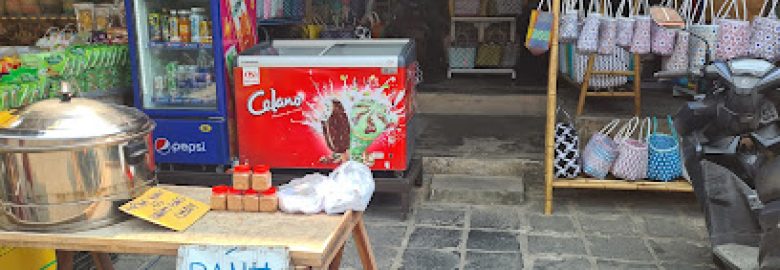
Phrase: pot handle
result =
(136, 152)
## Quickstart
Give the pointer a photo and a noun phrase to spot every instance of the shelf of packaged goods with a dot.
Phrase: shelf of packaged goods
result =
(178, 45)
(591, 183)
(38, 18)
(279, 21)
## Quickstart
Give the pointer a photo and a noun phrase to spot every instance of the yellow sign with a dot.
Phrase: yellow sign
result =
(167, 209)
(27, 258)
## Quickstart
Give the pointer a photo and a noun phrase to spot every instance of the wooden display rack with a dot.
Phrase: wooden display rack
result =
(551, 182)
(589, 72)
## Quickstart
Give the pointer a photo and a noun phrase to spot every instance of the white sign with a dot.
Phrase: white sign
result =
(199, 257)
(251, 76)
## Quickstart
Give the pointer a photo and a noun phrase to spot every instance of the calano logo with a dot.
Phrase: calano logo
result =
(273, 103)
(163, 147)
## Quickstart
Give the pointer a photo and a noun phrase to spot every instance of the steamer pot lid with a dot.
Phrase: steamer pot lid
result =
(71, 122)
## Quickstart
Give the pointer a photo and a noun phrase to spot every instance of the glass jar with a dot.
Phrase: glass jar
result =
(241, 176)
(251, 201)
(173, 26)
(185, 27)
(196, 18)
(219, 197)
(235, 200)
(261, 177)
(269, 201)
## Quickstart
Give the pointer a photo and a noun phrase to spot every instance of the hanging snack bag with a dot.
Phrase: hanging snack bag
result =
(85, 17)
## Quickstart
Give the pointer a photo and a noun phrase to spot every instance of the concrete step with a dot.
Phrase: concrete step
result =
(476, 104)
(511, 167)
(481, 190)
(737, 257)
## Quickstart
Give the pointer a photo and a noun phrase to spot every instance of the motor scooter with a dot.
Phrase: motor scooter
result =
(730, 140)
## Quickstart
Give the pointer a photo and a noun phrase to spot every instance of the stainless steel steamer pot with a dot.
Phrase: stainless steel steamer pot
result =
(69, 163)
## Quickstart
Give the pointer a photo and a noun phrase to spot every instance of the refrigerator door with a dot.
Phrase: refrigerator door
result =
(175, 67)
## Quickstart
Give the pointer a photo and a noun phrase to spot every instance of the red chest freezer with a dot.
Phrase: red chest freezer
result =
(319, 103)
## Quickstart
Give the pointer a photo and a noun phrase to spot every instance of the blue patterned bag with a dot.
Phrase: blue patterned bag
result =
(664, 162)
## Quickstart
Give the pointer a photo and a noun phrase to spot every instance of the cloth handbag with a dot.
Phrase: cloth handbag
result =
(600, 152)
(467, 7)
(294, 8)
(608, 30)
(489, 54)
(631, 162)
(697, 48)
(641, 42)
(765, 34)
(664, 161)
(567, 152)
(617, 61)
(462, 55)
(625, 24)
(678, 61)
(538, 36)
(570, 21)
(588, 41)
(509, 55)
(733, 34)
(507, 7)
(663, 38)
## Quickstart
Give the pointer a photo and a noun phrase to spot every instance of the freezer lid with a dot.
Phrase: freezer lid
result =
(335, 53)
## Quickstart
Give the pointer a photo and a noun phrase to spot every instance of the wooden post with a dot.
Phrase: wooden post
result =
(552, 99)
(637, 85)
(360, 236)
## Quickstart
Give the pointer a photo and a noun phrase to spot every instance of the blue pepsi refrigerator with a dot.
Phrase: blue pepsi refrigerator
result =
(182, 50)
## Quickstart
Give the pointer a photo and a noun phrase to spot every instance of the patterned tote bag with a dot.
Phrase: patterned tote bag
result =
(567, 151)
(608, 30)
(703, 34)
(678, 61)
(625, 24)
(765, 33)
(570, 21)
(588, 41)
(631, 162)
(600, 152)
(664, 161)
(538, 38)
(664, 38)
(641, 42)
(733, 33)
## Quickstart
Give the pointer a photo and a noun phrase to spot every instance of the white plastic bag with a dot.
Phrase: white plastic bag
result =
(350, 187)
(302, 195)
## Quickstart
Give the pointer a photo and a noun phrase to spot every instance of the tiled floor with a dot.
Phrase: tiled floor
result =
(589, 230)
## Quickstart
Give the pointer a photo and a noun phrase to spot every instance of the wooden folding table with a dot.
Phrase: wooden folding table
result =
(314, 241)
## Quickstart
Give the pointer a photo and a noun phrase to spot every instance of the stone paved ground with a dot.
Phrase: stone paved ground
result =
(588, 230)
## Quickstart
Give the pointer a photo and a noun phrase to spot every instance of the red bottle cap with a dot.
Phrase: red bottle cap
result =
(241, 169)
(219, 189)
(270, 191)
(262, 169)
(234, 191)
(250, 192)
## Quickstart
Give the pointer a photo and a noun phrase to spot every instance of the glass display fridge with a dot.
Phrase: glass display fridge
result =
(182, 50)
(314, 104)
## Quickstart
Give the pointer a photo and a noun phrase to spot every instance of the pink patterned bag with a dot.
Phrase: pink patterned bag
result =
(678, 61)
(625, 24)
(631, 161)
(733, 34)
(663, 38)
(608, 30)
(765, 34)
(588, 41)
(570, 21)
(641, 42)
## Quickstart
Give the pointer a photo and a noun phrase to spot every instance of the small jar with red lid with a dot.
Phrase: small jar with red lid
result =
(269, 202)
(251, 201)
(219, 197)
(261, 177)
(235, 200)
(241, 177)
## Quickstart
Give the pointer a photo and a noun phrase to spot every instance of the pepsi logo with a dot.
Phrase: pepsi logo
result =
(162, 146)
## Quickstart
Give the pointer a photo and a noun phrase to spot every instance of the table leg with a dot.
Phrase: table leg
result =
(336, 263)
(363, 246)
(65, 259)
(102, 261)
